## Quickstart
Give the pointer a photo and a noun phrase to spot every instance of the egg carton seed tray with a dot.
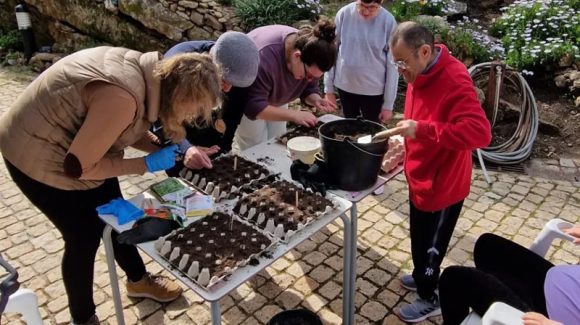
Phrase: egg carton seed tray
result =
(270, 210)
(207, 260)
(224, 178)
(254, 186)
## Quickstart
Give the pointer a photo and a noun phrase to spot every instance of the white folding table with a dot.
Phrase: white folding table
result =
(241, 275)
(275, 155)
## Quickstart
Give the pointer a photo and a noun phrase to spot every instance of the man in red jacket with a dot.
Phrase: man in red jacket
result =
(443, 122)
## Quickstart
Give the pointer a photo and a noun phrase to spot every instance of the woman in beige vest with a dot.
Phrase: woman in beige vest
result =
(63, 143)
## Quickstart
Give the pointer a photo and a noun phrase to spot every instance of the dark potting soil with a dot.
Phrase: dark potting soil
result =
(351, 131)
(267, 160)
(278, 202)
(223, 174)
(217, 242)
(298, 131)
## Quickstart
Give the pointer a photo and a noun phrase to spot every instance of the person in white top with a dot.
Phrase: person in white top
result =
(364, 75)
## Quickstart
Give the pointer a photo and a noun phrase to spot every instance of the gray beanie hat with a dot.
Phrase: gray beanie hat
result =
(238, 57)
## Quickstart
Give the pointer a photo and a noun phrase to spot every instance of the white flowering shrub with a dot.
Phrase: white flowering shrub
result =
(466, 39)
(404, 10)
(539, 32)
(256, 13)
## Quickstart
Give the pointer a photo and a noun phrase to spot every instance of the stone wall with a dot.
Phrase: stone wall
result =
(182, 19)
(143, 25)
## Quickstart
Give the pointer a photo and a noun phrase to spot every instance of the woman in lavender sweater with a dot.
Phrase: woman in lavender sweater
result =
(291, 63)
(507, 272)
(365, 77)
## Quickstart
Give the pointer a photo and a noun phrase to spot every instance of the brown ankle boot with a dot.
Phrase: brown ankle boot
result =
(155, 287)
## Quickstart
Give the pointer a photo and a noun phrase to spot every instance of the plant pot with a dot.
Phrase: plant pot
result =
(352, 166)
(303, 148)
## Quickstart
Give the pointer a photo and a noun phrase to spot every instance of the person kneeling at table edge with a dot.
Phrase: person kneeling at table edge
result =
(63, 142)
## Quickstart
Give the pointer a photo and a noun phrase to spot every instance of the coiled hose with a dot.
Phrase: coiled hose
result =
(518, 147)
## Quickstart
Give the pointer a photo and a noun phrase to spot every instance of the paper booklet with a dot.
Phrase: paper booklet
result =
(174, 192)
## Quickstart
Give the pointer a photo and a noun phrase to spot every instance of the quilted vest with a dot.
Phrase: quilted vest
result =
(36, 133)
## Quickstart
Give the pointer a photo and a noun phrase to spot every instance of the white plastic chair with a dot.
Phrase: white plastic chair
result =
(552, 230)
(13, 299)
(500, 313)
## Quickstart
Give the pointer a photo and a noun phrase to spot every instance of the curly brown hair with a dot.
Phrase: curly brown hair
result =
(190, 90)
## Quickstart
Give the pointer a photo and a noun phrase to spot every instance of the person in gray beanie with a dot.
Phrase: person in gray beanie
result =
(238, 58)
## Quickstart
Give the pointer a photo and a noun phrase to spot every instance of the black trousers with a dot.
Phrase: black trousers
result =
(430, 236)
(504, 271)
(74, 214)
(354, 105)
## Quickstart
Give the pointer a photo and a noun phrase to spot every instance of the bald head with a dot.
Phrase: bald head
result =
(412, 35)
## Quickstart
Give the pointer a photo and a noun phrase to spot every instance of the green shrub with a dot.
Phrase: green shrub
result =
(226, 2)
(256, 13)
(404, 10)
(11, 40)
(536, 32)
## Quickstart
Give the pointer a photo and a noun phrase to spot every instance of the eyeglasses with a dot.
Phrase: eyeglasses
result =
(402, 64)
(370, 8)
(309, 76)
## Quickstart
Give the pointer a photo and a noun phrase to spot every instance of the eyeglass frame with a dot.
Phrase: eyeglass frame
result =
(369, 8)
(308, 75)
(402, 64)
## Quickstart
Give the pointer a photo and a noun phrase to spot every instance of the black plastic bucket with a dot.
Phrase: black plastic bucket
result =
(352, 166)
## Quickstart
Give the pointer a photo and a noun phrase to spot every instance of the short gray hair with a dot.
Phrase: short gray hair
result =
(413, 35)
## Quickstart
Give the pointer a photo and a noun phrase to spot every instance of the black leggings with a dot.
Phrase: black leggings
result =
(504, 271)
(74, 215)
(353, 105)
(430, 236)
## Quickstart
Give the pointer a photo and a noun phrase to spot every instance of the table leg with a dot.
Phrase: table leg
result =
(113, 274)
(347, 298)
(353, 253)
(216, 317)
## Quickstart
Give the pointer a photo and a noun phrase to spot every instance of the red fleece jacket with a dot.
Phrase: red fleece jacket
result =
(450, 124)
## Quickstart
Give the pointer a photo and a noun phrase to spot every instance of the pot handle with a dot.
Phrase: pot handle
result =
(362, 150)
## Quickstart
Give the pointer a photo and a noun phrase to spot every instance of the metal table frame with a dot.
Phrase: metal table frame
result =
(222, 288)
(275, 154)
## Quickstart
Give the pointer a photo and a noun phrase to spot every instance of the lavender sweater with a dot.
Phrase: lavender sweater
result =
(275, 85)
(562, 291)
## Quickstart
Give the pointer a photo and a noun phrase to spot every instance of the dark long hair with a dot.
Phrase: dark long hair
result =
(317, 44)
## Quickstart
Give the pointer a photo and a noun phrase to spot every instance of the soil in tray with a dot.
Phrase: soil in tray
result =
(278, 202)
(216, 243)
(223, 174)
(300, 130)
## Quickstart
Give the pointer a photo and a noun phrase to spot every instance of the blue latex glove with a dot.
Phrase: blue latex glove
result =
(161, 159)
(124, 210)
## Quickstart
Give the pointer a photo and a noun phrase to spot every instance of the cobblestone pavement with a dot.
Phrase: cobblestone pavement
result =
(514, 206)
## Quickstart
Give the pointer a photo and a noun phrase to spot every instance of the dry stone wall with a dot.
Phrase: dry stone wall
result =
(143, 25)
(182, 19)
